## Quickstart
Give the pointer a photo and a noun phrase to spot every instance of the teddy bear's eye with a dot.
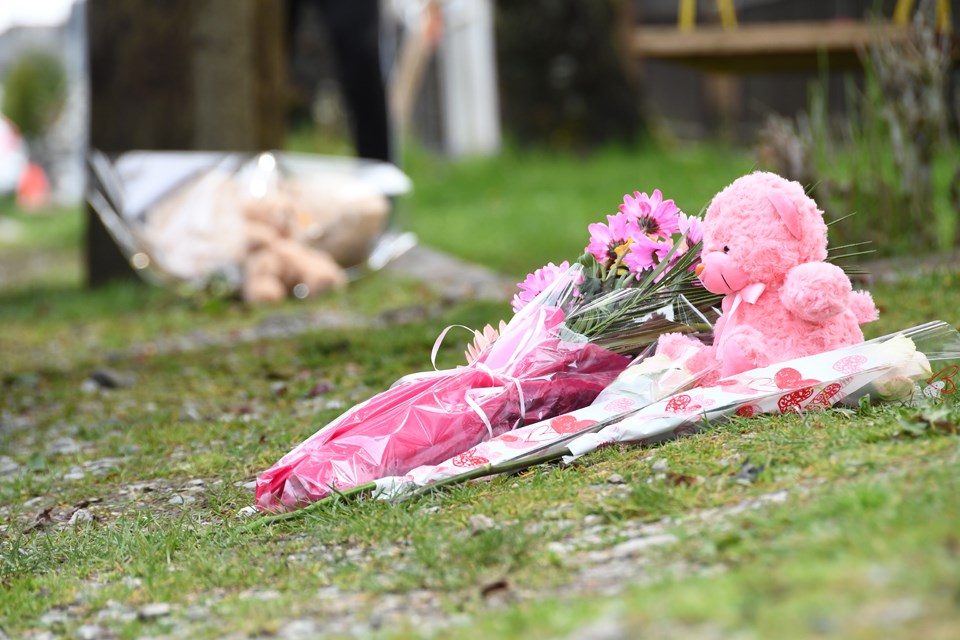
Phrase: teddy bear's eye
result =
(726, 249)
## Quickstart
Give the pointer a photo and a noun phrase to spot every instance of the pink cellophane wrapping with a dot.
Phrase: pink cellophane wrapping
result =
(645, 381)
(527, 375)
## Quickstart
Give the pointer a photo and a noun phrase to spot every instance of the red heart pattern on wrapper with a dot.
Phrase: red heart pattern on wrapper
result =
(790, 378)
(749, 410)
(682, 403)
(569, 424)
(713, 379)
(619, 405)
(822, 399)
(943, 380)
(468, 459)
(790, 402)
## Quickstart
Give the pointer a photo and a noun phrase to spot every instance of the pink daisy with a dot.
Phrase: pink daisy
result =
(642, 255)
(653, 215)
(662, 251)
(537, 282)
(609, 241)
(482, 340)
(692, 226)
(664, 248)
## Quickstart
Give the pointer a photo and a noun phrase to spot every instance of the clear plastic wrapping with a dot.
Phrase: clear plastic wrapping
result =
(648, 379)
(538, 368)
(905, 366)
(190, 217)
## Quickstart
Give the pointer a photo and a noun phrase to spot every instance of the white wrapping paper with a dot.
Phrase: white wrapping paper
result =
(888, 368)
(650, 402)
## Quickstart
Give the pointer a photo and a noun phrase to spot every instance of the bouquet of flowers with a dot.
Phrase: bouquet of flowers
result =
(574, 330)
(637, 271)
(645, 381)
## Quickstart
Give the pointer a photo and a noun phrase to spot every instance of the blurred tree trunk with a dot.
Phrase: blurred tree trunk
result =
(180, 75)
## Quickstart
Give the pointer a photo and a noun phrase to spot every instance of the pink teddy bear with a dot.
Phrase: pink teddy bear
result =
(764, 246)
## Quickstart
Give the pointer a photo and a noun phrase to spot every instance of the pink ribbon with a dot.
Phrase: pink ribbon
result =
(749, 294)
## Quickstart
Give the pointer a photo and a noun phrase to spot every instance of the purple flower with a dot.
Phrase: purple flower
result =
(609, 241)
(654, 215)
(643, 254)
(693, 227)
(537, 282)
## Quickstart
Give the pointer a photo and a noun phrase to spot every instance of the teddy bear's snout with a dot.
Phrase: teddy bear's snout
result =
(720, 274)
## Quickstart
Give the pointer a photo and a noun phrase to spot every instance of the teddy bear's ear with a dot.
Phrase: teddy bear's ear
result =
(787, 211)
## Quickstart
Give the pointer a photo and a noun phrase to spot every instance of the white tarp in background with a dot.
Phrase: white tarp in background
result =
(181, 216)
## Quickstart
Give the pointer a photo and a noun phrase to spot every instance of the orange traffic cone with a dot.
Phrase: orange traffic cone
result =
(33, 193)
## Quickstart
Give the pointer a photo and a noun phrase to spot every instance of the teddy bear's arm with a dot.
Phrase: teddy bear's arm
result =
(816, 291)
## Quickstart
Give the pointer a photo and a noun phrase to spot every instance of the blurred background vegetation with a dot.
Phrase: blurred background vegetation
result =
(34, 91)
(584, 121)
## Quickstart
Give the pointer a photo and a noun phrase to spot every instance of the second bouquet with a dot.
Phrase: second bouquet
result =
(574, 330)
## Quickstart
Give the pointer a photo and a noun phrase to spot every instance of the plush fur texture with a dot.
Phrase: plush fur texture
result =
(764, 246)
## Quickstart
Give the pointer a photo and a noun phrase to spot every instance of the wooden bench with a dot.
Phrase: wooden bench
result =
(783, 46)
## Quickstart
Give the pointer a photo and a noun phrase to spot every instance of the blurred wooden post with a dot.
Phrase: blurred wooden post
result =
(723, 93)
(180, 75)
(468, 73)
(687, 15)
(415, 53)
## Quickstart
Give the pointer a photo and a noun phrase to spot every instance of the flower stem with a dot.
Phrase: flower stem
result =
(510, 466)
(270, 520)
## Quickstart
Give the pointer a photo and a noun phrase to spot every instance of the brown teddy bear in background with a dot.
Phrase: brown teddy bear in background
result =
(342, 219)
(275, 262)
(301, 232)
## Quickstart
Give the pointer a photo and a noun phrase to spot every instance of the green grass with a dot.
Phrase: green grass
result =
(38, 249)
(849, 530)
(524, 209)
(65, 326)
(56, 228)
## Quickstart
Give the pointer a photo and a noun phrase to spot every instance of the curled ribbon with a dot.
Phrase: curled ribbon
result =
(749, 294)
(495, 377)
(515, 342)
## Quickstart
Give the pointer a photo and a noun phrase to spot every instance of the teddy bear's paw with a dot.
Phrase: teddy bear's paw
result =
(687, 352)
(263, 288)
(816, 291)
(744, 350)
(863, 307)
(704, 360)
(677, 345)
